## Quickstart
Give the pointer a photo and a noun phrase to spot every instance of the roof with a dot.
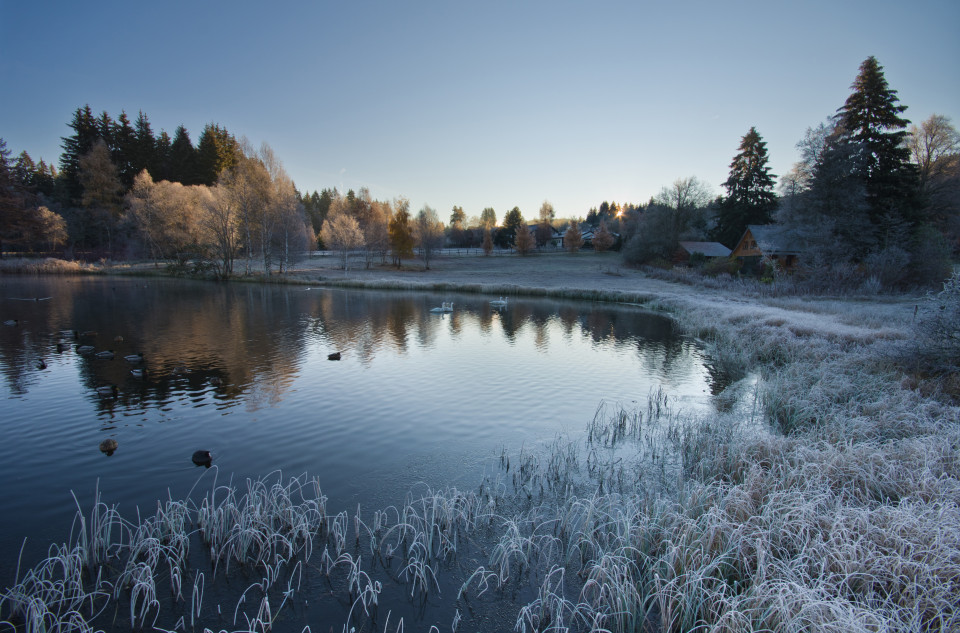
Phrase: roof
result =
(709, 249)
(773, 239)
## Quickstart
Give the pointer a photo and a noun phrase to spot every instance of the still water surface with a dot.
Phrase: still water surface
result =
(417, 398)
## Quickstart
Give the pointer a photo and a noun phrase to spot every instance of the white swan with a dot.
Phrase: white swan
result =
(499, 303)
(444, 307)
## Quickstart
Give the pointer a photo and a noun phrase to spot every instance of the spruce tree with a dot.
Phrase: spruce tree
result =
(162, 157)
(145, 148)
(124, 150)
(870, 119)
(217, 151)
(750, 196)
(86, 131)
(183, 158)
(512, 222)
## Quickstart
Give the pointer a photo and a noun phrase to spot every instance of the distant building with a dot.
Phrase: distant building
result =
(710, 250)
(766, 241)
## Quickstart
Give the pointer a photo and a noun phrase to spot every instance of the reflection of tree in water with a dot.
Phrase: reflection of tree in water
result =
(255, 337)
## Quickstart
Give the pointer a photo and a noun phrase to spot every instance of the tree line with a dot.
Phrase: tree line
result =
(868, 192)
(122, 191)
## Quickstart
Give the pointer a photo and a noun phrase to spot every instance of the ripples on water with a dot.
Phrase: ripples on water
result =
(417, 397)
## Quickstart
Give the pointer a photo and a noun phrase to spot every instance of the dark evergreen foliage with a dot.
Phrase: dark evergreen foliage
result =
(86, 131)
(183, 158)
(870, 120)
(162, 157)
(750, 195)
(123, 150)
(217, 151)
(144, 148)
(512, 221)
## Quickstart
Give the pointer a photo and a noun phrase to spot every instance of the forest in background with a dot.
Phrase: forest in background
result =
(873, 197)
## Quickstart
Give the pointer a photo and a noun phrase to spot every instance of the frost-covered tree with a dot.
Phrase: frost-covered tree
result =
(935, 149)
(341, 232)
(427, 233)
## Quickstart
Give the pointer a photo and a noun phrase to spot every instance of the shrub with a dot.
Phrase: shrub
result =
(938, 330)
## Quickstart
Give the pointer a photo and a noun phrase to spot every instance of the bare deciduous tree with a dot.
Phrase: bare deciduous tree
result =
(427, 233)
(221, 225)
(342, 233)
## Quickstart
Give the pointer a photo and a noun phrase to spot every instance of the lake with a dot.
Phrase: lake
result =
(242, 370)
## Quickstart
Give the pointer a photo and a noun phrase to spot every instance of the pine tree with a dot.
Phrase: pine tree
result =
(512, 222)
(163, 156)
(86, 131)
(123, 148)
(183, 158)
(750, 191)
(217, 151)
(871, 119)
(144, 147)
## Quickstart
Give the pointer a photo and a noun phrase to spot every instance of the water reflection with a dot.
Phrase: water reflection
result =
(242, 371)
(249, 341)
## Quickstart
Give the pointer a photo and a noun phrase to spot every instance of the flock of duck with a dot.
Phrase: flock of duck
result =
(109, 446)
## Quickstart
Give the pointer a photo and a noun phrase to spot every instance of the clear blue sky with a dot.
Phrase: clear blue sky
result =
(475, 104)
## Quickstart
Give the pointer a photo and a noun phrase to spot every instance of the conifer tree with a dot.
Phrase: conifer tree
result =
(512, 222)
(86, 131)
(183, 158)
(123, 146)
(217, 151)
(162, 156)
(870, 119)
(144, 148)
(750, 191)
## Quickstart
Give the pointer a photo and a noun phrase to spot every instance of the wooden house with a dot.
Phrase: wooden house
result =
(766, 242)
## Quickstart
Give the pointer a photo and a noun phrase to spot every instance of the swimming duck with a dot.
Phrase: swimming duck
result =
(106, 354)
(179, 370)
(108, 446)
(216, 381)
(140, 372)
(334, 356)
(11, 322)
(41, 364)
(85, 349)
(134, 358)
(109, 391)
(118, 339)
(202, 458)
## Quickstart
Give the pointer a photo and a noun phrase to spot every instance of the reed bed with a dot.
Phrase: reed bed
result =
(49, 266)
